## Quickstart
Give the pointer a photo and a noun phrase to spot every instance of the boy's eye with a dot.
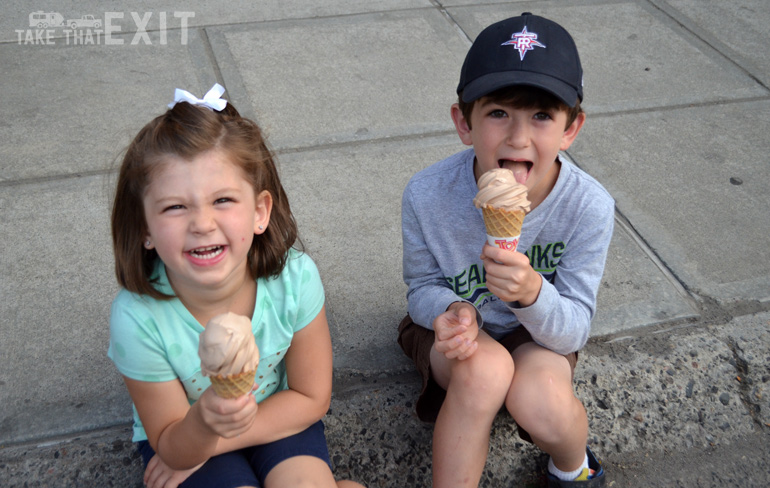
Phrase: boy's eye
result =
(497, 114)
(542, 116)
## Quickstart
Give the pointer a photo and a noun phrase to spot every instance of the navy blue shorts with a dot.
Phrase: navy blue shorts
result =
(249, 466)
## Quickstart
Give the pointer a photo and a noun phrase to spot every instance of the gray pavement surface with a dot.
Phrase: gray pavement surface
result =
(355, 98)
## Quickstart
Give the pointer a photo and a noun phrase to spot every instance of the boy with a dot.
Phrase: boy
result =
(503, 329)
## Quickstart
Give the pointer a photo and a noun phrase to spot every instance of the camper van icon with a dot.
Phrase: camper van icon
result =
(44, 20)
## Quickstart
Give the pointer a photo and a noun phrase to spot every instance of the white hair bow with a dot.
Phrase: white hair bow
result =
(212, 99)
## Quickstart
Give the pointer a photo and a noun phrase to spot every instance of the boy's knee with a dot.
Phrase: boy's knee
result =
(545, 410)
(484, 378)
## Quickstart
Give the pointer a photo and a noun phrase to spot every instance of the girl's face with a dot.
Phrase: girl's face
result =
(201, 217)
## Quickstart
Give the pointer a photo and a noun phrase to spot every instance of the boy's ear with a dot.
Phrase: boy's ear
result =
(463, 129)
(263, 208)
(572, 131)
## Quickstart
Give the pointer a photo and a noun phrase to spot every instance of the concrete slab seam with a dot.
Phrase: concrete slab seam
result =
(726, 53)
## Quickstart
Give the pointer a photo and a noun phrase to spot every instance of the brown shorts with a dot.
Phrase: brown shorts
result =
(416, 341)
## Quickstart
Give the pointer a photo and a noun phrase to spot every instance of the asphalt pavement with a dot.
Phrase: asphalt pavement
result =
(354, 96)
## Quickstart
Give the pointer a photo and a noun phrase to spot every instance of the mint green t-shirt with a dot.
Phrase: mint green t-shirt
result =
(157, 340)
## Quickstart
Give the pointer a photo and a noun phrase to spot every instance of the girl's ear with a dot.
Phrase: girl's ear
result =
(262, 210)
(148, 243)
(462, 126)
(572, 131)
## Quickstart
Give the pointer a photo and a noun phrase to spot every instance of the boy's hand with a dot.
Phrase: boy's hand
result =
(456, 331)
(227, 417)
(510, 276)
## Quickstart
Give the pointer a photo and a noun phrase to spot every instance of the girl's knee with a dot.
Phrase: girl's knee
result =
(301, 472)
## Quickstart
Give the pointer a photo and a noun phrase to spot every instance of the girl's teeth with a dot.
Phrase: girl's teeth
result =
(207, 252)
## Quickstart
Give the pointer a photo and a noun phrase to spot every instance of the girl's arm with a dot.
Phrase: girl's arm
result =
(185, 436)
(288, 412)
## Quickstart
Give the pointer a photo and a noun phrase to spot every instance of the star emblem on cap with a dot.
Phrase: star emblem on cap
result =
(523, 41)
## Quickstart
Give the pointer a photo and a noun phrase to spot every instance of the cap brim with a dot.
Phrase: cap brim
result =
(486, 84)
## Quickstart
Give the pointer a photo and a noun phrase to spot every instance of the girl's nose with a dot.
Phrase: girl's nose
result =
(202, 222)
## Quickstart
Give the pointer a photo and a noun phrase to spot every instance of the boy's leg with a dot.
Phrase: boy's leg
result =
(542, 401)
(476, 390)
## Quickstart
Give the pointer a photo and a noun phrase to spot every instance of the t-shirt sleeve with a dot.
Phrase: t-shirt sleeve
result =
(310, 291)
(135, 346)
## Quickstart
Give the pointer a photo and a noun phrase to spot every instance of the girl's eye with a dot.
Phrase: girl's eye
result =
(173, 207)
(223, 200)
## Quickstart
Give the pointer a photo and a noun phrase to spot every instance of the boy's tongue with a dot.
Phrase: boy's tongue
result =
(520, 169)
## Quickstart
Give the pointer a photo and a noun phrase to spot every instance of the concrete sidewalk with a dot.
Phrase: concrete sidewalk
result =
(355, 98)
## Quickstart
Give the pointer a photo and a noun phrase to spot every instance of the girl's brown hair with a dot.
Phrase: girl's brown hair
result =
(186, 131)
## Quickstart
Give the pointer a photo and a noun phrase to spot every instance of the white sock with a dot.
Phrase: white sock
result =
(569, 475)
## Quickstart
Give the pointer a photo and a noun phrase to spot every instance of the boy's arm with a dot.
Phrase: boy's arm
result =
(560, 318)
(429, 294)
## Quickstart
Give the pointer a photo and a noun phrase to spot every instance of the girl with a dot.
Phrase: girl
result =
(201, 226)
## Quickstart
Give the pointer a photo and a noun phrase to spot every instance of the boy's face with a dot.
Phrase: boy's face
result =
(525, 140)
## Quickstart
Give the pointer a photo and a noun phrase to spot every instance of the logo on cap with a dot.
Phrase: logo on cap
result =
(523, 41)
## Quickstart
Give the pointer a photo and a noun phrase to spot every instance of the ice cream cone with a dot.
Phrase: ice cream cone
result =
(503, 203)
(503, 223)
(229, 354)
(233, 385)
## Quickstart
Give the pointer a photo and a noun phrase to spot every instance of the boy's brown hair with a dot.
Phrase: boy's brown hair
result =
(186, 131)
(523, 97)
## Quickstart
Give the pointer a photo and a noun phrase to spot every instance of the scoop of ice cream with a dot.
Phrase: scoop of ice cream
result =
(498, 188)
(226, 346)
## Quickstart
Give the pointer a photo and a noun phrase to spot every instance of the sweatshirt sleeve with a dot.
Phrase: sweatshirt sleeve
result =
(560, 319)
(429, 294)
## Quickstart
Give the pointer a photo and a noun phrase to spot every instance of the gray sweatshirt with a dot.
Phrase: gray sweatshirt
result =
(566, 239)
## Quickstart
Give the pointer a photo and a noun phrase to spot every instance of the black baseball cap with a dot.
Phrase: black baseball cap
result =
(525, 50)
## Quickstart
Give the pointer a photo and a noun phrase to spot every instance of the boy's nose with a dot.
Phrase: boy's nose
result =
(518, 136)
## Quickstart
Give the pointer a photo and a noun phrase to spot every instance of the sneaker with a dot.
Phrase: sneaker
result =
(592, 476)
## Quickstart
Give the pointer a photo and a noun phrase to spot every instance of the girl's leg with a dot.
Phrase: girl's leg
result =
(231, 470)
(298, 460)
(304, 471)
(348, 484)
(476, 389)
(541, 400)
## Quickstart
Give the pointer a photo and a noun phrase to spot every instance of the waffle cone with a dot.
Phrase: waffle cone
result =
(503, 223)
(233, 385)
